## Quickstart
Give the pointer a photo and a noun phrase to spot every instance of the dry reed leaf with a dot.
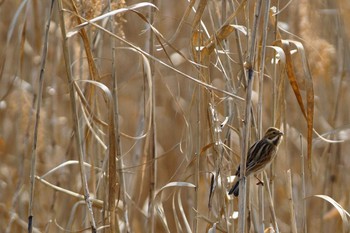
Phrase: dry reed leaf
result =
(64, 164)
(309, 98)
(342, 212)
(219, 36)
(291, 75)
(309, 113)
(182, 212)
(162, 216)
(198, 15)
(176, 218)
(224, 31)
(280, 57)
(76, 29)
(159, 203)
(333, 213)
(175, 184)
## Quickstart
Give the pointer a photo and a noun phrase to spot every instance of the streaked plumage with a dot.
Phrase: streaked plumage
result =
(260, 154)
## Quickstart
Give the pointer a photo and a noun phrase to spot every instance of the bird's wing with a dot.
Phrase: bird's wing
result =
(258, 155)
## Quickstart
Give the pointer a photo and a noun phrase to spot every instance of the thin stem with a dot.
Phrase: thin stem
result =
(303, 183)
(152, 137)
(197, 136)
(77, 132)
(260, 100)
(247, 121)
(118, 151)
(291, 201)
(37, 120)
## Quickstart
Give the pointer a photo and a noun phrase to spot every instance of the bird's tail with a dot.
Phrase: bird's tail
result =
(235, 189)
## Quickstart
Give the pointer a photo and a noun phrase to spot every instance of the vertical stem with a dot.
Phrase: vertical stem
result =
(118, 148)
(196, 148)
(197, 140)
(291, 202)
(303, 183)
(112, 179)
(275, 71)
(262, 66)
(112, 189)
(260, 100)
(197, 151)
(274, 97)
(196, 183)
(197, 164)
(37, 120)
(153, 138)
(242, 184)
(77, 132)
(247, 121)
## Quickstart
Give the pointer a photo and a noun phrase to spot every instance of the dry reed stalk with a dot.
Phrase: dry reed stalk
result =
(247, 121)
(197, 41)
(152, 137)
(112, 166)
(117, 142)
(77, 132)
(37, 120)
(304, 204)
(276, 110)
(262, 54)
(289, 185)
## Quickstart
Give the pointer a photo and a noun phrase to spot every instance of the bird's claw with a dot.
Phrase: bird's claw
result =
(260, 183)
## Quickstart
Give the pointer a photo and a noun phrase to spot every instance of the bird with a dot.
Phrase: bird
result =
(260, 155)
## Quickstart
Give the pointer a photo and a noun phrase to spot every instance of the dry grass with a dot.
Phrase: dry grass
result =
(135, 117)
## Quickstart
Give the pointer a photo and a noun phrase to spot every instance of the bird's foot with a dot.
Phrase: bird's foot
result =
(260, 181)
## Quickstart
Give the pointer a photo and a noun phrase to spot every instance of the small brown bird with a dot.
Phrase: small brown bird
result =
(260, 154)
